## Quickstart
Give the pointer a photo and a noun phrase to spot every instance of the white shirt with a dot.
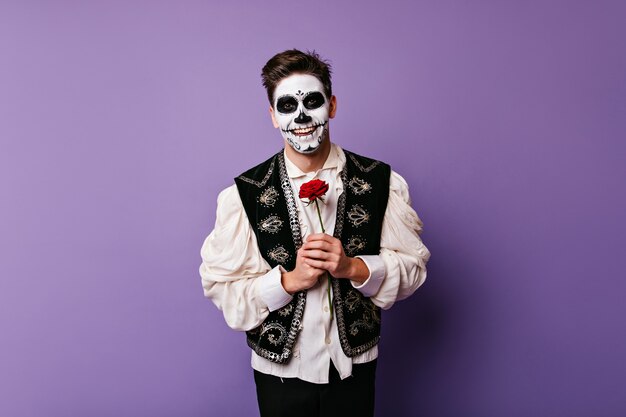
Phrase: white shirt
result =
(245, 288)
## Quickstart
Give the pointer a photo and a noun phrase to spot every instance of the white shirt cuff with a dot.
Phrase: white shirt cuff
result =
(372, 284)
(271, 290)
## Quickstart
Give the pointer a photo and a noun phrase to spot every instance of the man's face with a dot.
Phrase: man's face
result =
(301, 112)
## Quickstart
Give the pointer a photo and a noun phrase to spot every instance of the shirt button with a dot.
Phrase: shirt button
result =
(326, 309)
(327, 340)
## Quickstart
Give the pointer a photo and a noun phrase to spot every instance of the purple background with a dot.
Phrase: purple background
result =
(121, 121)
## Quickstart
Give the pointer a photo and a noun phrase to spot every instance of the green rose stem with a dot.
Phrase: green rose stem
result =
(330, 303)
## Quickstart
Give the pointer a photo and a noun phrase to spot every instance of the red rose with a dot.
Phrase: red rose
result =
(313, 190)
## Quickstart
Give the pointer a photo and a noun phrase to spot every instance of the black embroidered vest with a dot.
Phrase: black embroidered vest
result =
(270, 205)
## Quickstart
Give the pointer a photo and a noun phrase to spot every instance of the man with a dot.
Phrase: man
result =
(269, 268)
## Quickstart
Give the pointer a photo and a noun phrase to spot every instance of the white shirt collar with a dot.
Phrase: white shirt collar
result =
(335, 159)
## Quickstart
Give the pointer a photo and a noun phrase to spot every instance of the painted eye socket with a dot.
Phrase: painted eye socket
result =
(287, 104)
(313, 100)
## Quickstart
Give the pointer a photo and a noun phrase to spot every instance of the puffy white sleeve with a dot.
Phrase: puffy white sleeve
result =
(235, 276)
(402, 252)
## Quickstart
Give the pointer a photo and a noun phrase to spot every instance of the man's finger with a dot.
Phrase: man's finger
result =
(317, 264)
(316, 254)
(313, 267)
(321, 237)
(317, 244)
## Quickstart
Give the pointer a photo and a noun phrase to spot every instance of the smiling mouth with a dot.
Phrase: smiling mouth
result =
(304, 131)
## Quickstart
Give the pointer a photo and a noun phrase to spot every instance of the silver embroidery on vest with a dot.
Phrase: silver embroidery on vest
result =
(268, 196)
(264, 180)
(355, 243)
(341, 205)
(276, 332)
(358, 215)
(292, 209)
(352, 300)
(286, 310)
(368, 321)
(359, 186)
(370, 315)
(271, 225)
(279, 254)
(361, 167)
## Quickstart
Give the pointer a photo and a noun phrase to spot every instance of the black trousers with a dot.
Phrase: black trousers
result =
(351, 397)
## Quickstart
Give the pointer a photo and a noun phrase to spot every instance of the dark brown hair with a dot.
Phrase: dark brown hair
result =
(293, 61)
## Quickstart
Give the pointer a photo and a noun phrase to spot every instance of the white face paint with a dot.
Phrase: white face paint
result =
(302, 111)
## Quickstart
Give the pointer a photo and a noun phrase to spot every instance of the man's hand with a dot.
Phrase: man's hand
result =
(325, 252)
(303, 277)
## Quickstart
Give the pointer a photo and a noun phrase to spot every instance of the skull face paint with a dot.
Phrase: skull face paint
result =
(301, 110)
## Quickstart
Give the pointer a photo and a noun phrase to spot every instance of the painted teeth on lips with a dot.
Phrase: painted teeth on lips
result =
(304, 131)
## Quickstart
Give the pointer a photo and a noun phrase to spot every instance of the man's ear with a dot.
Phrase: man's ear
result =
(333, 107)
(274, 122)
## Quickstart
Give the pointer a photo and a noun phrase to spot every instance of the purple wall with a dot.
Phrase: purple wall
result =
(121, 121)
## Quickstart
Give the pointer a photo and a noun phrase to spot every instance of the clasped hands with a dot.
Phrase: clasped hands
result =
(319, 254)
